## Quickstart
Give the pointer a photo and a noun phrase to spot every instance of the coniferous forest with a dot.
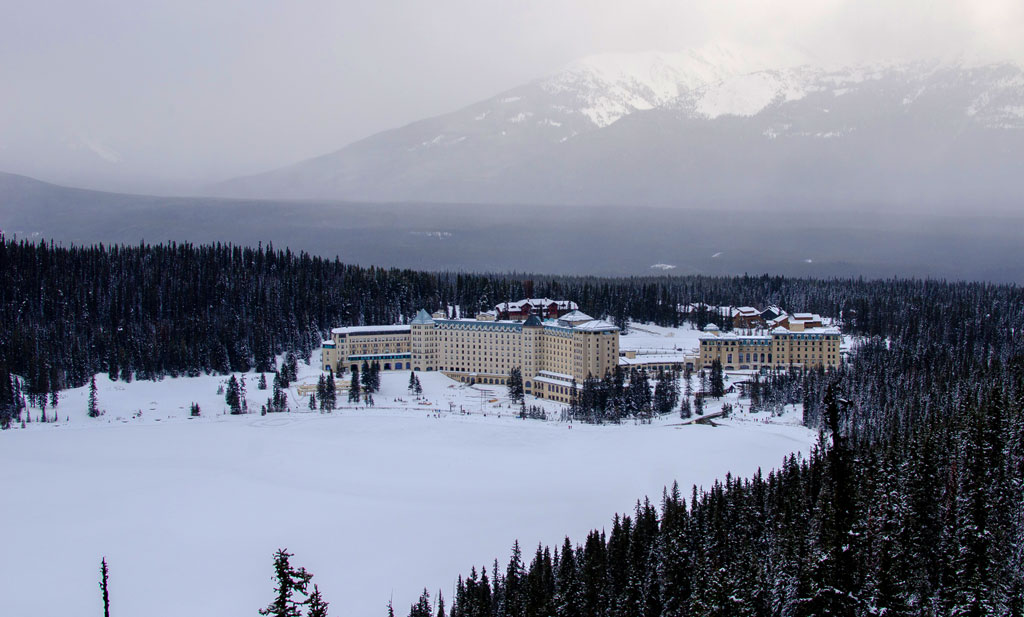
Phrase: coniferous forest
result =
(911, 504)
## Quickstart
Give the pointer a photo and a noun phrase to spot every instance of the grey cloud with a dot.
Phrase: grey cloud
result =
(166, 96)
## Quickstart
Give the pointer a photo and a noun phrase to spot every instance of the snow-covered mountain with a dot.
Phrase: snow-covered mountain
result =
(707, 126)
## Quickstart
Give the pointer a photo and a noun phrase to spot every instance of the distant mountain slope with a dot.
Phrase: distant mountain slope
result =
(697, 128)
(597, 240)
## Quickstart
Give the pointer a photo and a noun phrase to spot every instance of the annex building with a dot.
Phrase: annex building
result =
(798, 346)
(551, 353)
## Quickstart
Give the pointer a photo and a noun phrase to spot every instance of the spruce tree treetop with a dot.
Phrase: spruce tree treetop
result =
(289, 582)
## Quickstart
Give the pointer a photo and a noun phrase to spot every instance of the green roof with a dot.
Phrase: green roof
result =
(422, 318)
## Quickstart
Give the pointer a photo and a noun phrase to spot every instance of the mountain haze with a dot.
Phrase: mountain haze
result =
(695, 128)
(600, 240)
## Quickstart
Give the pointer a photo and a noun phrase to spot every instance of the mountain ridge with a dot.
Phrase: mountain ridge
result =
(570, 137)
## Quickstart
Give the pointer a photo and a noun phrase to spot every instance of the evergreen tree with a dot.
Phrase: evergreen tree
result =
(831, 588)
(94, 408)
(662, 393)
(685, 411)
(289, 369)
(422, 606)
(279, 398)
(7, 405)
(514, 598)
(232, 397)
(288, 582)
(332, 394)
(620, 317)
(262, 385)
(367, 377)
(104, 575)
(516, 392)
(353, 386)
(568, 590)
(717, 380)
(317, 605)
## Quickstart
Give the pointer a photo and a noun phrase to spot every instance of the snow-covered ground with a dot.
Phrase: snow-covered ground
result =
(375, 502)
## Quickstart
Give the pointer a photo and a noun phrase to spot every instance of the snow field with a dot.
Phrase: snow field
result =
(376, 503)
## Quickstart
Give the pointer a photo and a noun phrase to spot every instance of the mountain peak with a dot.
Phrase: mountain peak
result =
(613, 85)
(698, 120)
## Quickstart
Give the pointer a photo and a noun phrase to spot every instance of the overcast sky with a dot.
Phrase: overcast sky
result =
(198, 90)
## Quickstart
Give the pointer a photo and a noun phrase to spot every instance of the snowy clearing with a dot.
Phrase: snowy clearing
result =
(373, 502)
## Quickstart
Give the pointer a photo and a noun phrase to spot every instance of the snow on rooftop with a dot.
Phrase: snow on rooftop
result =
(576, 316)
(821, 330)
(368, 329)
(731, 336)
(554, 375)
(595, 326)
(518, 304)
(661, 358)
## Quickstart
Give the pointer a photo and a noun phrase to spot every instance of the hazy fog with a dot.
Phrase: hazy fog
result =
(166, 96)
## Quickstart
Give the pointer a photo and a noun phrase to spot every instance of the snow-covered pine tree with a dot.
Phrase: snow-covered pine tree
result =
(94, 407)
(232, 396)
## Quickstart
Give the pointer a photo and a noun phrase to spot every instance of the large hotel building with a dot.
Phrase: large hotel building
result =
(552, 354)
(565, 347)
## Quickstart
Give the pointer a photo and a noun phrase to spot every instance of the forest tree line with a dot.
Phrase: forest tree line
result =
(151, 311)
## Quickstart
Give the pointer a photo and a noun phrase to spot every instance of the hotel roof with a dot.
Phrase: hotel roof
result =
(370, 329)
